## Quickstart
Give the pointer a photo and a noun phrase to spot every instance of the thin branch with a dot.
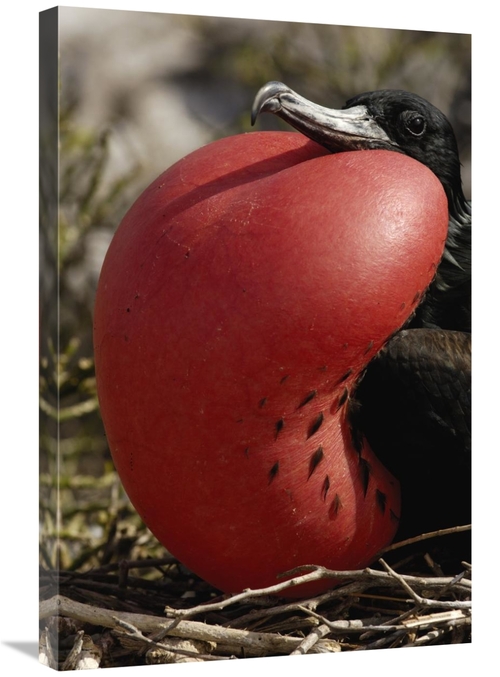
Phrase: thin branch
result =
(169, 648)
(424, 601)
(313, 638)
(425, 537)
(253, 643)
(321, 573)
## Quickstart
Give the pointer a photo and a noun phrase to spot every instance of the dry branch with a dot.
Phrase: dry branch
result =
(366, 576)
(253, 643)
(368, 609)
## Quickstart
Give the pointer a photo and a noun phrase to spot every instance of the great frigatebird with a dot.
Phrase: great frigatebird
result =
(413, 403)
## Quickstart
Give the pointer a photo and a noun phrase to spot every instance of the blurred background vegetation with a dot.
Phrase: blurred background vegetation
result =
(137, 92)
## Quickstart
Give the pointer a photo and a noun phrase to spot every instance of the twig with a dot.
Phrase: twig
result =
(447, 588)
(45, 651)
(436, 618)
(425, 537)
(70, 662)
(84, 654)
(147, 563)
(355, 625)
(349, 590)
(429, 637)
(384, 641)
(319, 573)
(253, 643)
(436, 633)
(313, 638)
(169, 648)
(424, 601)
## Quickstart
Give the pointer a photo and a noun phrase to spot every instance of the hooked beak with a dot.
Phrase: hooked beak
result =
(337, 130)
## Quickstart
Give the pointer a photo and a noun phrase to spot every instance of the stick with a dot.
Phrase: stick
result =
(253, 643)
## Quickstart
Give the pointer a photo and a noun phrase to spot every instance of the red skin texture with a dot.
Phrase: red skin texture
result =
(254, 272)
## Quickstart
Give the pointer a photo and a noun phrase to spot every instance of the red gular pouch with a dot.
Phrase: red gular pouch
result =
(242, 296)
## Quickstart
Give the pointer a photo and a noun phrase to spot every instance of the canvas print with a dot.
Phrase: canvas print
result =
(255, 339)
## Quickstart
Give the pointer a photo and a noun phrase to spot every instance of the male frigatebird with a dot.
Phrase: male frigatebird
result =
(244, 293)
(413, 402)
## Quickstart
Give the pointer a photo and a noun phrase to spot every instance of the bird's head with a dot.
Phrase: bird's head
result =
(387, 119)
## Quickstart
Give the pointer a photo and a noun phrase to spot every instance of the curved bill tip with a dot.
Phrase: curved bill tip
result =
(267, 99)
(352, 128)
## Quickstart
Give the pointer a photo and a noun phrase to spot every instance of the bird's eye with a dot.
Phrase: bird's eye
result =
(414, 123)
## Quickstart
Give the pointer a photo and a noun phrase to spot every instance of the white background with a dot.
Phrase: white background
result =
(19, 328)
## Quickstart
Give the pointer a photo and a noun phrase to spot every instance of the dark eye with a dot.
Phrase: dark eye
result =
(414, 123)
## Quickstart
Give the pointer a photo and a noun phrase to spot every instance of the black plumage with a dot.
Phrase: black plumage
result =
(414, 400)
(415, 411)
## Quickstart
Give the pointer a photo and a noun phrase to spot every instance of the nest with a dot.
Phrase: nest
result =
(146, 611)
